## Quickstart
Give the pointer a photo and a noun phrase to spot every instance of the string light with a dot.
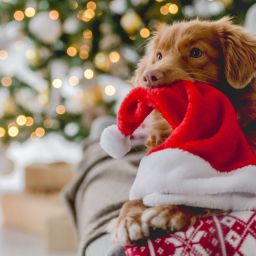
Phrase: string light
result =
(2, 132)
(73, 80)
(29, 121)
(110, 90)
(39, 132)
(18, 15)
(144, 33)
(54, 15)
(84, 52)
(6, 81)
(114, 57)
(173, 8)
(87, 15)
(56, 83)
(60, 109)
(164, 10)
(72, 51)
(13, 131)
(30, 12)
(3, 55)
(88, 73)
(87, 34)
(21, 120)
(91, 5)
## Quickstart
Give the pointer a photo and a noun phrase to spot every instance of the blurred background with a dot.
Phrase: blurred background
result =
(64, 68)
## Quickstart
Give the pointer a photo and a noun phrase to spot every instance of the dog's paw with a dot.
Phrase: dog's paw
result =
(154, 140)
(126, 230)
(164, 217)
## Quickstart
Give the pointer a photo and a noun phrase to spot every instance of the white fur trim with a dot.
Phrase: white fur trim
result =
(114, 142)
(174, 176)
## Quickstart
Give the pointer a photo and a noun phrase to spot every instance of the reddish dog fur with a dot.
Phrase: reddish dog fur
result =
(219, 53)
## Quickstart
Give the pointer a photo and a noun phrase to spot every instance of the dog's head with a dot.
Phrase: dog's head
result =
(206, 51)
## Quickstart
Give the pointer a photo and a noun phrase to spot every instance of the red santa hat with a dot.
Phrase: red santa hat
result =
(205, 162)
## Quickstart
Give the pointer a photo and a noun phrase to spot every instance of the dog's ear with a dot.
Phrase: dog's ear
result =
(239, 48)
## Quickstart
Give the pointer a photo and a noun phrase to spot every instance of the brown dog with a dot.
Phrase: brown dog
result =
(219, 53)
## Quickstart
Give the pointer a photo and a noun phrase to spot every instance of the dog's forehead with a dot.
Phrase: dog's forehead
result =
(188, 32)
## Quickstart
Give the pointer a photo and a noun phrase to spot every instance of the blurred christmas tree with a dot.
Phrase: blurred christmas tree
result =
(53, 54)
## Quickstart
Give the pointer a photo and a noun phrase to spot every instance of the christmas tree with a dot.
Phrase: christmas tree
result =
(59, 60)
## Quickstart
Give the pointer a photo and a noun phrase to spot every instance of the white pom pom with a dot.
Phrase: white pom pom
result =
(114, 142)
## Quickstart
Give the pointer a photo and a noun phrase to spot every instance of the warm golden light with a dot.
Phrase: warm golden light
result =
(56, 83)
(88, 73)
(164, 9)
(72, 51)
(18, 15)
(114, 57)
(173, 8)
(3, 55)
(87, 15)
(60, 109)
(110, 90)
(73, 80)
(54, 15)
(21, 120)
(2, 132)
(83, 54)
(6, 81)
(91, 5)
(87, 34)
(30, 121)
(30, 12)
(13, 131)
(144, 33)
(39, 132)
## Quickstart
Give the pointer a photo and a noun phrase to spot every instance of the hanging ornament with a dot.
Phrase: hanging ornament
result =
(102, 61)
(250, 20)
(71, 25)
(46, 29)
(131, 22)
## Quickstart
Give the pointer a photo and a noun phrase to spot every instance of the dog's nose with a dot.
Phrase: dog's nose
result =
(153, 78)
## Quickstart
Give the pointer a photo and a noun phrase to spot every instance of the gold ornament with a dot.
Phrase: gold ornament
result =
(36, 57)
(102, 61)
(131, 22)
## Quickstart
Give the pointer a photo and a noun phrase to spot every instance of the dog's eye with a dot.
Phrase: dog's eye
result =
(159, 56)
(196, 53)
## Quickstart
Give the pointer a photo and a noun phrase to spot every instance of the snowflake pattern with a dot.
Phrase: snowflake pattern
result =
(227, 234)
